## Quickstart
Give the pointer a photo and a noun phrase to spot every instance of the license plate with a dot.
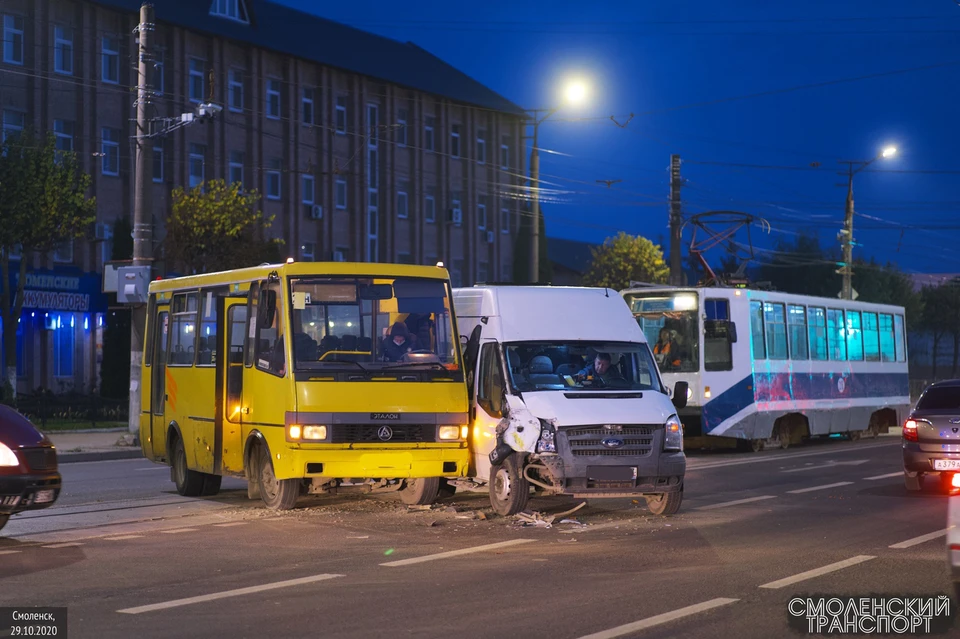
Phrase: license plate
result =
(43, 496)
(621, 473)
(946, 464)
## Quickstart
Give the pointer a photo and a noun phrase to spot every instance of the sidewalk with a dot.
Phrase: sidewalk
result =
(94, 445)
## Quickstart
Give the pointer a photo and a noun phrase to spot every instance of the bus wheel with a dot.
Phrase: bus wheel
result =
(211, 485)
(421, 491)
(509, 490)
(277, 494)
(189, 482)
(665, 503)
(913, 481)
(3, 520)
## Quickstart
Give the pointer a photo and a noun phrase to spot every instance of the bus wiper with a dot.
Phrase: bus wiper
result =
(433, 365)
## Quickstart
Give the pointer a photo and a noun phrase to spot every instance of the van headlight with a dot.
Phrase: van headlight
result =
(548, 441)
(673, 435)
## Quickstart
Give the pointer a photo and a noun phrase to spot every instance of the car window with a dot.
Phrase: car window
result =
(940, 398)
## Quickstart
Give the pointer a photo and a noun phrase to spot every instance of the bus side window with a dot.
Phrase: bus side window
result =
(491, 384)
(207, 339)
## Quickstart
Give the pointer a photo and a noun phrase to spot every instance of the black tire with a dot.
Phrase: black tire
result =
(211, 485)
(913, 481)
(665, 504)
(3, 520)
(277, 494)
(756, 445)
(421, 491)
(189, 482)
(509, 490)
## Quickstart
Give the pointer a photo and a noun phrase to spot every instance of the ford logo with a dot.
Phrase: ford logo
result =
(612, 442)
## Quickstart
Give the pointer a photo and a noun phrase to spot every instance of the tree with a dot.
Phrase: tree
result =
(887, 284)
(801, 267)
(626, 258)
(115, 367)
(217, 227)
(521, 250)
(939, 316)
(43, 203)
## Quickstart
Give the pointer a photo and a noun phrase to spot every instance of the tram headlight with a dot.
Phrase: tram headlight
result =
(673, 435)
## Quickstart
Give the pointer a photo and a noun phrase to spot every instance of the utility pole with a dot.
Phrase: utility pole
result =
(846, 238)
(676, 221)
(535, 206)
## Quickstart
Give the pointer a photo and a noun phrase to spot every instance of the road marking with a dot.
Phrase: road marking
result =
(666, 617)
(832, 464)
(66, 545)
(887, 476)
(8, 552)
(232, 523)
(736, 502)
(824, 487)
(457, 553)
(226, 593)
(816, 572)
(177, 531)
(122, 537)
(140, 470)
(921, 539)
(783, 457)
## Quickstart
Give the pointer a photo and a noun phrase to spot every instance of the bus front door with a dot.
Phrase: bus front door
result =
(158, 394)
(230, 386)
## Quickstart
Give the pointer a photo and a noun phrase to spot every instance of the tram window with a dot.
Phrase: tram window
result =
(898, 338)
(717, 309)
(871, 338)
(887, 339)
(818, 333)
(854, 336)
(756, 330)
(836, 335)
(775, 327)
(797, 323)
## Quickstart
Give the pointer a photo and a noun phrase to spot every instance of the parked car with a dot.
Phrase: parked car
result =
(28, 466)
(931, 437)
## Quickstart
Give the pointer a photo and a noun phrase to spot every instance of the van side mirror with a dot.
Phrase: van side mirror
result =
(680, 394)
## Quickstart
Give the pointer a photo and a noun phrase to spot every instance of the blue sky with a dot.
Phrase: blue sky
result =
(675, 65)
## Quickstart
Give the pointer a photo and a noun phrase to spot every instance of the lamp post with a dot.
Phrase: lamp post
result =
(575, 92)
(854, 167)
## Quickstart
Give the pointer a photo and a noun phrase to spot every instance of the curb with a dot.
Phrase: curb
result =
(67, 458)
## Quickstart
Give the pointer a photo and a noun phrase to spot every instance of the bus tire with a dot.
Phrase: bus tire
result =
(3, 520)
(421, 491)
(665, 504)
(509, 489)
(913, 481)
(189, 482)
(277, 494)
(211, 485)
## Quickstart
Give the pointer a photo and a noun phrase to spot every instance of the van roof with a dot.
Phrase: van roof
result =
(551, 312)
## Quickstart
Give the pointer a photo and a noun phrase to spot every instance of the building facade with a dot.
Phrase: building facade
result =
(362, 148)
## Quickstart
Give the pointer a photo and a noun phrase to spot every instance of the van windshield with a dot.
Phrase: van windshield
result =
(536, 366)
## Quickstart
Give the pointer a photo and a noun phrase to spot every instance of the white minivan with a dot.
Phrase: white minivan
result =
(566, 397)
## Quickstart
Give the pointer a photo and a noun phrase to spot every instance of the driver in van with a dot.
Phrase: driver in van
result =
(397, 344)
(600, 370)
(666, 351)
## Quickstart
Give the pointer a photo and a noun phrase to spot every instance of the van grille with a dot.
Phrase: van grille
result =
(588, 441)
(40, 458)
(370, 433)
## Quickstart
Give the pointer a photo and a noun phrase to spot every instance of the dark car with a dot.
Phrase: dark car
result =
(28, 466)
(931, 437)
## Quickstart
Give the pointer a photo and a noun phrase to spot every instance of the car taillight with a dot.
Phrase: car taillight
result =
(910, 431)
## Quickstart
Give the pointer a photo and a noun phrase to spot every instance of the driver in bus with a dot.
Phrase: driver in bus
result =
(600, 370)
(397, 344)
(666, 351)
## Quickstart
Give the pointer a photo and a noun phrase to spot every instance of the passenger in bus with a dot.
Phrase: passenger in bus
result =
(666, 351)
(397, 344)
(600, 370)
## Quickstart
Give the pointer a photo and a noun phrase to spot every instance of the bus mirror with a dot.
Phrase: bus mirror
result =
(376, 292)
(680, 394)
(267, 308)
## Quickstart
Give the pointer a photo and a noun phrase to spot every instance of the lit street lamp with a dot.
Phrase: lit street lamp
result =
(854, 167)
(574, 93)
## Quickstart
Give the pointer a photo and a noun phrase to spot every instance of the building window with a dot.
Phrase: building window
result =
(455, 206)
(430, 205)
(504, 219)
(429, 144)
(110, 151)
(373, 125)
(340, 193)
(403, 211)
(63, 345)
(340, 254)
(158, 164)
(483, 272)
(13, 122)
(12, 39)
(505, 152)
(232, 9)
(307, 107)
(63, 50)
(235, 170)
(482, 147)
(235, 90)
(481, 212)
(455, 141)
(456, 273)
(402, 116)
(273, 179)
(797, 324)
(373, 169)
(308, 190)
(158, 81)
(110, 59)
(373, 227)
(341, 122)
(196, 80)
(63, 252)
(273, 99)
(63, 133)
(404, 258)
(196, 163)
(308, 251)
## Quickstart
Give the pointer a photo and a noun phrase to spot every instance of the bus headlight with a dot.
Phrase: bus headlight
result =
(314, 432)
(673, 435)
(449, 433)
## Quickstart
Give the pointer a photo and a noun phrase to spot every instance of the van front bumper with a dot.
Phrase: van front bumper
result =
(626, 476)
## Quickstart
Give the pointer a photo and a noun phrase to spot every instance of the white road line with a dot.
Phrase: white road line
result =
(122, 537)
(887, 476)
(831, 464)
(457, 553)
(921, 539)
(227, 593)
(735, 502)
(824, 487)
(783, 457)
(140, 470)
(232, 523)
(8, 552)
(666, 617)
(66, 545)
(817, 572)
(177, 531)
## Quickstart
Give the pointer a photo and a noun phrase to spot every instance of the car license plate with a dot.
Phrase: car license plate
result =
(946, 464)
(43, 496)
(612, 473)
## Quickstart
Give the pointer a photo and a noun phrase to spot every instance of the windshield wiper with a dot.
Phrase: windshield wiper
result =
(434, 365)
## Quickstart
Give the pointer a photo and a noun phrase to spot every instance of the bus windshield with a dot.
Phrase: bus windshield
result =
(372, 322)
(671, 325)
(543, 366)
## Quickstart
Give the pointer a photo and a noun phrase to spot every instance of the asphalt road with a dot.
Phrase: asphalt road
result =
(129, 557)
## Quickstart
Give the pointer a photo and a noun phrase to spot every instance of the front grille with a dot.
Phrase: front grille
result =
(370, 433)
(40, 458)
(588, 441)
(610, 452)
(643, 431)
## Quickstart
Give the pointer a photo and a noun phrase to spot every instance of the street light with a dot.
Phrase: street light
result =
(574, 93)
(854, 167)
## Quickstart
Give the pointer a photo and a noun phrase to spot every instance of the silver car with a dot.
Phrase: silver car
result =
(931, 437)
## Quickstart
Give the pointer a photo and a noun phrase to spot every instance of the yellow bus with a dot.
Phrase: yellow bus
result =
(306, 378)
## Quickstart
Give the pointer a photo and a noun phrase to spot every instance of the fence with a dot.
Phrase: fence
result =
(72, 411)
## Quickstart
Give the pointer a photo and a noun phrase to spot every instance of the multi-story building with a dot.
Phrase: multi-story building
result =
(362, 147)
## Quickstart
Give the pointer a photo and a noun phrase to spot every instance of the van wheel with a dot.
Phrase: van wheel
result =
(3, 520)
(665, 503)
(189, 482)
(913, 481)
(509, 490)
(211, 485)
(277, 494)
(421, 491)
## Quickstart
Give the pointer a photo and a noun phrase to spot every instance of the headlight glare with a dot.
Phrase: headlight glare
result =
(7, 456)
(673, 434)
(448, 433)
(314, 432)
